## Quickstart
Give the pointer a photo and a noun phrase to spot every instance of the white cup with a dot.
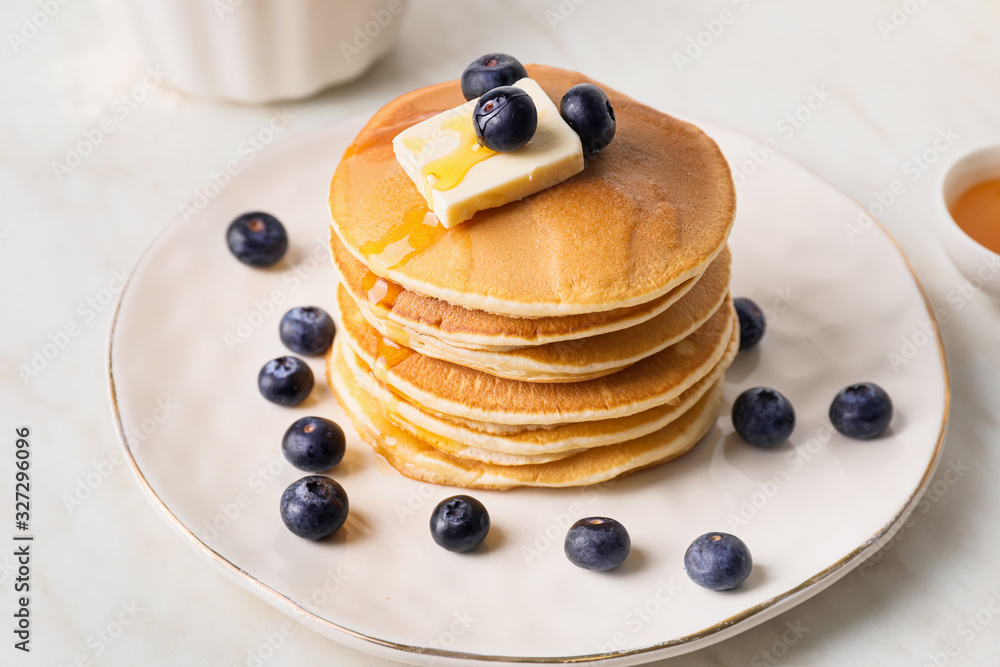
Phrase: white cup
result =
(978, 263)
(256, 51)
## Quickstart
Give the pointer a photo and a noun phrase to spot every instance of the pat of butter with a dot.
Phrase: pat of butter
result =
(459, 177)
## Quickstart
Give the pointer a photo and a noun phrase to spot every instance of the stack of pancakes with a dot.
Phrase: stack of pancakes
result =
(564, 339)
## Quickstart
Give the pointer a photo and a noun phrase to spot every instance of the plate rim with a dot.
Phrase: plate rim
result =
(775, 603)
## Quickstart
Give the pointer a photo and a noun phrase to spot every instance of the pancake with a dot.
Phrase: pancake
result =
(471, 439)
(649, 212)
(419, 460)
(576, 360)
(454, 390)
(477, 329)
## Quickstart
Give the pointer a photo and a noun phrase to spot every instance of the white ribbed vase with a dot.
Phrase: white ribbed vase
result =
(256, 51)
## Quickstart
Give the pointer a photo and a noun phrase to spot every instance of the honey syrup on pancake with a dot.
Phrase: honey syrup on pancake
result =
(388, 355)
(382, 293)
(419, 230)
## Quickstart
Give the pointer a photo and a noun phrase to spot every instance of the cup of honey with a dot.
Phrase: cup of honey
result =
(970, 197)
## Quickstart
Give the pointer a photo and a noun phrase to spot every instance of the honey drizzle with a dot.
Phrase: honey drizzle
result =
(418, 231)
(448, 170)
(420, 228)
(388, 355)
(382, 293)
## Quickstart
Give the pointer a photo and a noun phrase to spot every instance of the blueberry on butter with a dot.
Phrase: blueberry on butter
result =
(505, 119)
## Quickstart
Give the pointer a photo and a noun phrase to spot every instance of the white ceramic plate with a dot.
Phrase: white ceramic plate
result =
(194, 326)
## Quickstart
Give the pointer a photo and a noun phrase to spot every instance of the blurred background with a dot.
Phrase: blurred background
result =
(102, 144)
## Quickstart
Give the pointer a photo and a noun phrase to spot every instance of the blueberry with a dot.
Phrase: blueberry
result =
(763, 417)
(307, 330)
(505, 119)
(285, 380)
(459, 523)
(314, 507)
(861, 411)
(313, 444)
(257, 239)
(491, 71)
(752, 322)
(597, 543)
(718, 561)
(587, 110)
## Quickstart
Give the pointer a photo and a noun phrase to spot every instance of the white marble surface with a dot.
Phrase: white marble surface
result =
(64, 242)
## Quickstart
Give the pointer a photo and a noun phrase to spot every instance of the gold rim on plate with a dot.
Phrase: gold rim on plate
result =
(276, 599)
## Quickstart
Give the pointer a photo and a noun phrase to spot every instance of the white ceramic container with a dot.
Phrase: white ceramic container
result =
(256, 51)
(979, 264)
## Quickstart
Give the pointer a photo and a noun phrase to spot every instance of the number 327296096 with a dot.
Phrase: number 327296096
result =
(22, 479)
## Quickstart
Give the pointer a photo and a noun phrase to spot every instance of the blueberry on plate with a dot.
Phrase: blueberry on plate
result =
(597, 543)
(285, 380)
(861, 410)
(718, 561)
(587, 110)
(307, 330)
(752, 322)
(314, 507)
(257, 239)
(505, 119)
(763, 416)
(491, 71)
(459, 523)
(313, 444)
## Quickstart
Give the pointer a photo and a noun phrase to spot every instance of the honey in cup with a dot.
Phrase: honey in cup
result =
(977, 212)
